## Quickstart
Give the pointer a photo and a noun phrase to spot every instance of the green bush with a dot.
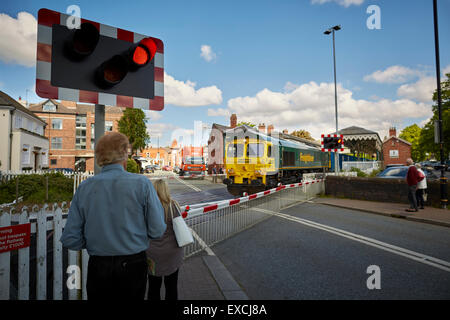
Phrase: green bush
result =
(32, 189)
(132, 166)
(359, 172)
(375, 172)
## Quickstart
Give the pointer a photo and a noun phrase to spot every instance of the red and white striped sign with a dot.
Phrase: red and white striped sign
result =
(332, 150)
(46, 19)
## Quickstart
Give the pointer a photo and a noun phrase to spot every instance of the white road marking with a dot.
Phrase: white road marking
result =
(416, 256)
(188, 184)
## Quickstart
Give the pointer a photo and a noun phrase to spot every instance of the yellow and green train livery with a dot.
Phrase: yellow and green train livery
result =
(255, 161)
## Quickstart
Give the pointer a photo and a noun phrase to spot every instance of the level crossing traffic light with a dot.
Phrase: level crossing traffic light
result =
(99, 64)
(332, 143)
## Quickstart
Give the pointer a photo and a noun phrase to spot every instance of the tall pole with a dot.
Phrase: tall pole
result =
(336, 157)
(99, 130)
(443, 179)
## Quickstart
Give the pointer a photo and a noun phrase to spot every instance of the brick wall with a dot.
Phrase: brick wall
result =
(377, 189)
(404, 151)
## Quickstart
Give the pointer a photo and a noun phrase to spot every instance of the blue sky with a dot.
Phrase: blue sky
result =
(268, 61)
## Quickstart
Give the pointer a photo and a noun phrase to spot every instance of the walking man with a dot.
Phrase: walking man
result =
(113, 215)
(412, 179)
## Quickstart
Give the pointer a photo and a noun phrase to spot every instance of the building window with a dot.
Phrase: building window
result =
(108, 126)
(44, 157)
(56, 143)
(80, 134)
(26, 154)
(29, 125)
(18, 122)
(57, 124)
(393, 153)
(53, 161)
(49, 107)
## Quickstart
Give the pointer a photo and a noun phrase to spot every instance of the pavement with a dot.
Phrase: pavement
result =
(204, 277)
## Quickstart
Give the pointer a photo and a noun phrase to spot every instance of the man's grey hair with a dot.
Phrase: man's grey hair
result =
(111, 148)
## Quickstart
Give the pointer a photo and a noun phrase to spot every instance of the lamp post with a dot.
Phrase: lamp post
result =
(443, 179)
(327, 32)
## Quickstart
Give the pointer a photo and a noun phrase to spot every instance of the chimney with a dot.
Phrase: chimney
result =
(233, 120)
(392, 132)
(262, 128)
(270, 129)
(285, 131)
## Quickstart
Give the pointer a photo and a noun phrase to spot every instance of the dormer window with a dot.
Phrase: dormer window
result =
(49, 107)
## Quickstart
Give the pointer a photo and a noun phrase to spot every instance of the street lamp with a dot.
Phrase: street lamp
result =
(327, 32)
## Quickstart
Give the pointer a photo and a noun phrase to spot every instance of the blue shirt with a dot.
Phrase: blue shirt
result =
(114, 213)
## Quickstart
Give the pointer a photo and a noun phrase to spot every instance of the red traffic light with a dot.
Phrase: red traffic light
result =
(144, 52)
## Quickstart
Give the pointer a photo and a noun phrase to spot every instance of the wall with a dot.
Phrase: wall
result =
(4, 138)
(404, 151)
(377, 189)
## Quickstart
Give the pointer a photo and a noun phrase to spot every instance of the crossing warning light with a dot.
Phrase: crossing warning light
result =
(98, 64)
(332, 143)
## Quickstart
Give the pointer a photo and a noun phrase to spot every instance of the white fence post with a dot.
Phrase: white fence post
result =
(24, 263)
(57, 253)
(41, 253)
(5, 257)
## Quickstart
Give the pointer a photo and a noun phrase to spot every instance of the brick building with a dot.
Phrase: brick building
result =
(70, 131)
(395, 150)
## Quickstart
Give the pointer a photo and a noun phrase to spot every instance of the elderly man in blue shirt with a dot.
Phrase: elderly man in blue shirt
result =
(113, 215)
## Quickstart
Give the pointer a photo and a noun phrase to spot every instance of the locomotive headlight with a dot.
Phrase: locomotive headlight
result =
(258, 172)
(231, 171)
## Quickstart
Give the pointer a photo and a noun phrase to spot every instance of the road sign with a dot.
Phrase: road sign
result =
(98, 64)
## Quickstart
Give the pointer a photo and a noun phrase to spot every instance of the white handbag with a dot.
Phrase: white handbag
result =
(182, 232)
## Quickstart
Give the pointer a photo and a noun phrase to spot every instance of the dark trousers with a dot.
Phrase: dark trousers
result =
(419, 197)
(117, 277)
(170, 284)
(412, 197)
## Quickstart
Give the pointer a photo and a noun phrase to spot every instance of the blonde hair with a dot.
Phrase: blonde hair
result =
(162, 189)
(111, 148)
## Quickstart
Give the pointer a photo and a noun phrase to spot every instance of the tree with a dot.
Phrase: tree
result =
(247, 123)
(132, 124)
(412, 135)
(302, 134)
(426, 140)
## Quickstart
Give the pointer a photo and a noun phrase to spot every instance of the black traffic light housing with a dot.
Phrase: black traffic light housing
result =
(330, 143)
(86, 60)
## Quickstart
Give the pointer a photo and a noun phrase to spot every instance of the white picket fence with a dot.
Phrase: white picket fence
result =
(42, 221)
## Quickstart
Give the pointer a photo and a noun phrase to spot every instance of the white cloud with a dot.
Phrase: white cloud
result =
(345, 3)
(152, 115)
(311, 107)
(18, 39)
(393, 74)
(422, 90)
(207, 53)
(184, 94)
(219, 112)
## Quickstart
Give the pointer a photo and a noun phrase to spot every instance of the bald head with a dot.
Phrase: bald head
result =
(409, 161)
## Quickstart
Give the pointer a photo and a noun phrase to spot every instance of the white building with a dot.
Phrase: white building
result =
(23, 145)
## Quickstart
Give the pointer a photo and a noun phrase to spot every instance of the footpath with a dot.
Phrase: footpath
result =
(203, 277)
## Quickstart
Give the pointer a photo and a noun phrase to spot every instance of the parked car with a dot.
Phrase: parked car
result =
(167, 168)
(401, 171)
(63, 170)
(149, 169)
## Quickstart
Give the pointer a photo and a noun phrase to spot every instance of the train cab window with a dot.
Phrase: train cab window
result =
(235, 150)
(255, 150)
(269, 151)
(288, 158)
